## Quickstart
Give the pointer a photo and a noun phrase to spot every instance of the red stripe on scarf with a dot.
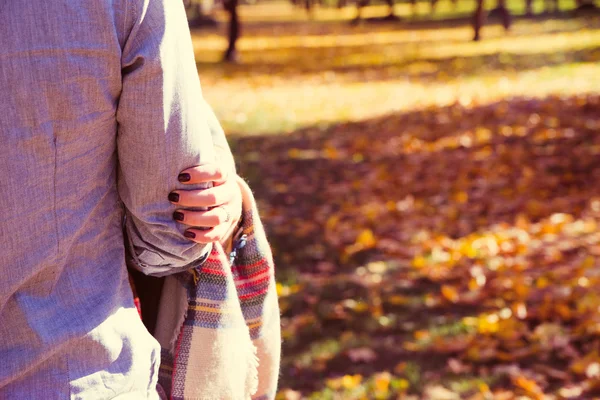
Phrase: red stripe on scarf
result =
(262, 280)
(250, 295)
(239, 266)
(259, 272)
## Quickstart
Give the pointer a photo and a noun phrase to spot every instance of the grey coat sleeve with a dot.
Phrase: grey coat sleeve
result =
(163, 129)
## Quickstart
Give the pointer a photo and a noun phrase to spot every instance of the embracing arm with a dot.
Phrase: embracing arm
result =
(163, 129)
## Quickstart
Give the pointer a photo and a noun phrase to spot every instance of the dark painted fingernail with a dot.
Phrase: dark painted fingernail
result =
(177, 216)
(174, 197)
(184, 177)
(189, 234)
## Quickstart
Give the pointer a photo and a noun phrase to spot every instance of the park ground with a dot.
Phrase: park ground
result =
(433, 203)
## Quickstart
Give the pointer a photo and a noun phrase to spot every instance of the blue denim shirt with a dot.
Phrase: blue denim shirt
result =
(100, 109)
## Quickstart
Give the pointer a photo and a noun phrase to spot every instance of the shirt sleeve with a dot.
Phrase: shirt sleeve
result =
(163, 128)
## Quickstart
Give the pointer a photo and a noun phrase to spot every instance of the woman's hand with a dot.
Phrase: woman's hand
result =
(223, 201)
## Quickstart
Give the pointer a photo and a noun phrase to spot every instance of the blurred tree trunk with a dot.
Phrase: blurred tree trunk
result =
(478, 20)
(585, 6)
(308, 6)
(390, 4)
(479, 17)
(360, 4)
(502, 11)
(198, 16)
(231, 6)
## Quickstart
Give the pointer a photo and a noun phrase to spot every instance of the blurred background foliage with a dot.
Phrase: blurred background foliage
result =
(432, 201)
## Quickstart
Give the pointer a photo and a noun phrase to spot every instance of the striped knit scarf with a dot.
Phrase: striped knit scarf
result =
(218, 325)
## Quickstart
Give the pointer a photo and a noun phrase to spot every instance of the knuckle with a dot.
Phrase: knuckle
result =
(212, 219)
(201, 239)
(205, 236)
(212, 198)
(221, 217)
(212, 238)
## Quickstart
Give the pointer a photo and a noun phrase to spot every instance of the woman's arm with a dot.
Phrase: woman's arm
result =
(163, 129)
(224, 199)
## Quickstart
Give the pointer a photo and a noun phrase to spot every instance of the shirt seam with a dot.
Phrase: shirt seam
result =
(126, 23)
(55, 199)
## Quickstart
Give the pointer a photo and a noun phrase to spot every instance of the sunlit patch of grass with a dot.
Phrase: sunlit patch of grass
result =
(451, 328)
(468, 384)
(287, 107)
(381, 385)
(318, 352)
(441, 336)
(388, 385)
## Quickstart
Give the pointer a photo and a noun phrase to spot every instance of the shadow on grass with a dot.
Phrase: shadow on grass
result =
(351, 207)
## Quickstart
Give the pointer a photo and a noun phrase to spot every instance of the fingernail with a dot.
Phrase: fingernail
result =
(184, 177)
(174, 197)
(189, 234)
(177, 216)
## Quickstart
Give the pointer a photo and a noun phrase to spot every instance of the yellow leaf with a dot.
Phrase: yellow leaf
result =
(351, 381)
(332, 221)
(294, 153)
(588, 262)
(361, 306)
(467, 249)
(564, 311)
(461, 197)
(484, 388)
(281, 188)
(398, 300)
(530, 387)
(335, 383)
(450, 293)
(488, 323)
(422, 335)
(418, 262)
(357, 157)
(542, 282)
(403, 384)
(382, 382)
(279, 288)
(473, 284)
(366, 238)
(330, 152)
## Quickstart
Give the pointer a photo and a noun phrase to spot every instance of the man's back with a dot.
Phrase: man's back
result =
(64, 284)
(68, 327)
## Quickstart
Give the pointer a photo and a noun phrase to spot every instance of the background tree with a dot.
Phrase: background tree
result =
(198, 14)
(231, 6)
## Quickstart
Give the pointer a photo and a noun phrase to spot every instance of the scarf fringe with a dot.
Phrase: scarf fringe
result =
(180, 321)
(253, 362)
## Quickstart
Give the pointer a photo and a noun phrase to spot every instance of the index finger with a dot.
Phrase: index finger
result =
(203, 173)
